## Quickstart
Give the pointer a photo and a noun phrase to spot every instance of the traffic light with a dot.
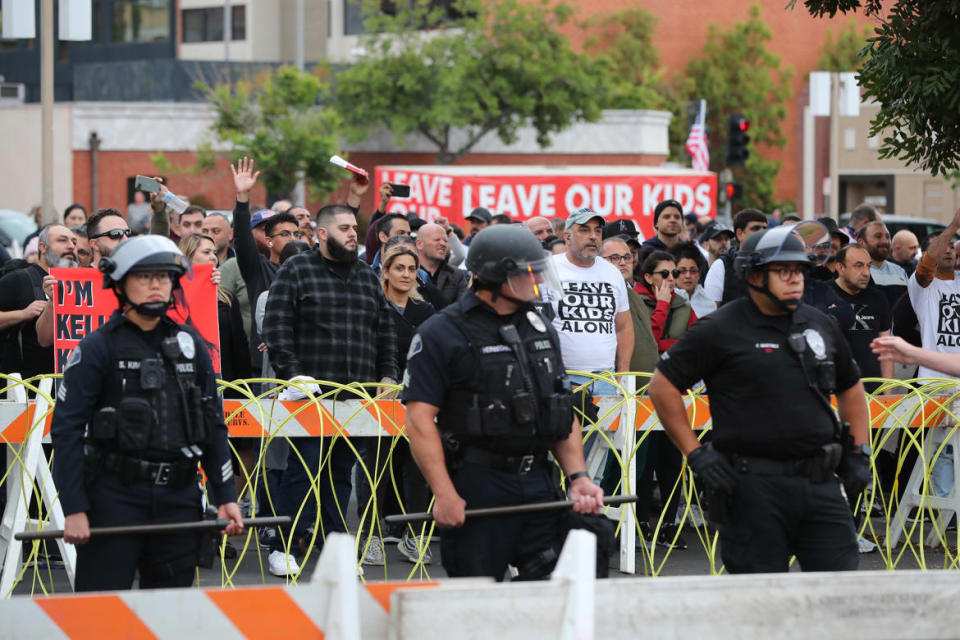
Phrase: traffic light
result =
(737, 139)
(730, 191)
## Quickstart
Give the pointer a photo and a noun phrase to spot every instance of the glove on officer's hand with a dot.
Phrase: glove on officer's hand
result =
(857, 475)
(713, 469)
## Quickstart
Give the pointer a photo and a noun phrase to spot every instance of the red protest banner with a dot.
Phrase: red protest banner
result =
(523, 192)
(81, 304)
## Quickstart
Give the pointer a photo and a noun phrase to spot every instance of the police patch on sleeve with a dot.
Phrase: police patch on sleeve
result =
(536, 321)
(815, 340)
(416, 346)
(187, 346)
(74, 358)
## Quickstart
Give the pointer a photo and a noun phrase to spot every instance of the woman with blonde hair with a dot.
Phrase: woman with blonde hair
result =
(234, 354)
(400, 264)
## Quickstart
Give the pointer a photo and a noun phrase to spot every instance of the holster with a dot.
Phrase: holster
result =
(452, 455)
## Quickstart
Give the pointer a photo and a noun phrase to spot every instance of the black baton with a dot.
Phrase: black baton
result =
(533, 507)
(154, 529)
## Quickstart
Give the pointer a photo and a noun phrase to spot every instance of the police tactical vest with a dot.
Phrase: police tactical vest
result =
(510, 396)
(143, 410)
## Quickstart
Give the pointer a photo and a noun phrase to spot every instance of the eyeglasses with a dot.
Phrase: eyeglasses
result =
(685, 270)
(114, 234)
(786, 274)
(613, 257)
(288, 234)
(665, 273)
(146, 277)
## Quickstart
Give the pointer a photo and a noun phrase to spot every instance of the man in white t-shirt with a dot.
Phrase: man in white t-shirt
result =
(935, 295)
(592, 313)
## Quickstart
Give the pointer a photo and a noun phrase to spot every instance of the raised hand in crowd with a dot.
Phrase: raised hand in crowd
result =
(358, 187)
(444, 223)
(386, 192)
(215, 277)
(244, 178)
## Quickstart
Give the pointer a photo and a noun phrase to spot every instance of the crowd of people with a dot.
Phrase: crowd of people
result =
(303, 297)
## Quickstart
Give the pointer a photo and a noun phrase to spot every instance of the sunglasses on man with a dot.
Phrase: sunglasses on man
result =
(113, 234)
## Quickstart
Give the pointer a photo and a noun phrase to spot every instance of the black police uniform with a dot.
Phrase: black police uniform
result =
(504, 403)
(773, 427)
(137, 410)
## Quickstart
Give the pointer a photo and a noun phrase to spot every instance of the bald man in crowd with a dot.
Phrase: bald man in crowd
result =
(540, 227)
(905, 249)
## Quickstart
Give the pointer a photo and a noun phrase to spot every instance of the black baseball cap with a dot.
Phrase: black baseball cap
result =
(481, 215)
(714, 229)
(621, 227)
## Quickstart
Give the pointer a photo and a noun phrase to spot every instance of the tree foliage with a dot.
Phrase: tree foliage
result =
(842, 51)
(280, 121)
(913, 72)
(492, 68)
(738, 74)
(623, 42)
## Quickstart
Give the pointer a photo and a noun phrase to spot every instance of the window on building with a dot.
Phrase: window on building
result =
(141, 20)
(353, 12)
(206, 25)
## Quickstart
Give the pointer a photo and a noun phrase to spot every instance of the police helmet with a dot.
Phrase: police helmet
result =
(143, 253)
(779, 244)
(504, 250)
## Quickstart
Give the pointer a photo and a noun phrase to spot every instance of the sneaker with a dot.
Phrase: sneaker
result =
(266, 537)
(283, 564)
(374, 552)
(395, 533)
(671, 538)
(410, 546)
(865, 546)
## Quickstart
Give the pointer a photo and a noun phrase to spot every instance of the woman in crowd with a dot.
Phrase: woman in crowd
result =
(234, 361)
(75, 215)
(399, 278)
(691, 270)
(234, 358)
(670, 316)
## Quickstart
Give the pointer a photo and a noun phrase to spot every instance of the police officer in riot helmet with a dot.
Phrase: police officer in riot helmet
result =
(136, 412)
(770, 364)
(488, 369)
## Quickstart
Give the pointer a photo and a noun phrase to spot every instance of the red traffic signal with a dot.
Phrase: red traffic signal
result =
(737, 140)
(744, 124)
(733, 191)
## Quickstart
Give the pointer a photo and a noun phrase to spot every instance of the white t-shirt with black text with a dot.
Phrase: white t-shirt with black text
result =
(938, 311)
(585, 313)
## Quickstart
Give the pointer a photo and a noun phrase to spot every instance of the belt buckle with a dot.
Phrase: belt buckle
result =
(526, 463)
(162, 477)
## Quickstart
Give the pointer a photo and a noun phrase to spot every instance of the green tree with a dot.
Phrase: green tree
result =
(489, 67)
(738, 74)
(623, 42)
(280, 120)
(913, 72)
(841, 52)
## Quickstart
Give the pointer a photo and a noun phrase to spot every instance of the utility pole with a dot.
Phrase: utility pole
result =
(300, 190)
(227, 29)
(46, 110)
(834, 210)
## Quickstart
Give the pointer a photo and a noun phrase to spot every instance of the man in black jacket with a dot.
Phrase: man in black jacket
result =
(432, 246)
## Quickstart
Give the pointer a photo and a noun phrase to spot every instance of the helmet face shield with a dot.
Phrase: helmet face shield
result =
(816, 238)
(530, 281)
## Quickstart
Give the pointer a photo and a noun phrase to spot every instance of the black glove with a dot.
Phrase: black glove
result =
(713, 469)
(857, 475)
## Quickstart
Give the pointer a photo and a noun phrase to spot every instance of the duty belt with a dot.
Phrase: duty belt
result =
(816, 467)
(520, 463)
(178, 473)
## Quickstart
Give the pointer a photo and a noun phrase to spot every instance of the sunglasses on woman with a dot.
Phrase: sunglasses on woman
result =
(665, 273)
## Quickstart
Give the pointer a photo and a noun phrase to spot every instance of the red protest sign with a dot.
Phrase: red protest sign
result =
(81, 304)
(523, 192)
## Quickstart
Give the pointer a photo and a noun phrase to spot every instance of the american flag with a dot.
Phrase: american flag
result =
(697, 141)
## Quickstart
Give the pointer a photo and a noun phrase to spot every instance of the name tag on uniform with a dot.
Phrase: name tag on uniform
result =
(495, 348)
